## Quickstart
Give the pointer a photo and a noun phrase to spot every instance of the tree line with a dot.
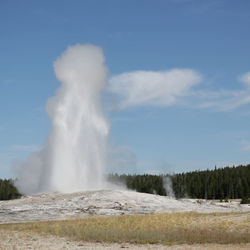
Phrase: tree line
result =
(8, 190)
(219, 183)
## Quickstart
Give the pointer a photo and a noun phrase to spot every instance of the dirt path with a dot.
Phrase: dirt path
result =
(26, 240)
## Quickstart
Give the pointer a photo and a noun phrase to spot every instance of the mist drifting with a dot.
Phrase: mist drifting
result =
(74, 155)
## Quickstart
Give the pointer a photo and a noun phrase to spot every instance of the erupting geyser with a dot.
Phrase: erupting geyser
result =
(74, 155)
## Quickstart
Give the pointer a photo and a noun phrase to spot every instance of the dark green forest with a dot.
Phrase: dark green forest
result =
(221, 183)
(8, 190)
(229, 182)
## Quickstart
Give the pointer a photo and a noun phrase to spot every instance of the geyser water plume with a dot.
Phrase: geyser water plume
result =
(74, 155)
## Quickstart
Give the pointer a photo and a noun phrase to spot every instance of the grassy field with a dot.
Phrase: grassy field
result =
(169, 228)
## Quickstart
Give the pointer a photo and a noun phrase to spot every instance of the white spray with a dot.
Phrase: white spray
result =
(167, 183)
(74, 155)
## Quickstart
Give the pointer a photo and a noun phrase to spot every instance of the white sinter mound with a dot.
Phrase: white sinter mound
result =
(54, 206)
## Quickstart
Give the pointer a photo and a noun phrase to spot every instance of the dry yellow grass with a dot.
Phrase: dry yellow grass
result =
(169, 228)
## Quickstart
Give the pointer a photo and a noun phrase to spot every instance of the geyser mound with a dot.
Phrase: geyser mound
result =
(74, 155)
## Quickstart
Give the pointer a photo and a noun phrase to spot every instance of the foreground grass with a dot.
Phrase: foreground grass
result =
(174, 228)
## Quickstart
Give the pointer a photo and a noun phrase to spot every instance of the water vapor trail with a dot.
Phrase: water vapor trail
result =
(74, 155)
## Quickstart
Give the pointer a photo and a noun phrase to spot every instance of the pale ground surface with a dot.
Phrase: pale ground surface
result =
(56, 206)
(23, 240)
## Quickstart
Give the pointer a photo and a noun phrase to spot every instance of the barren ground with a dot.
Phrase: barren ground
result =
(56, 206)
(27, 240)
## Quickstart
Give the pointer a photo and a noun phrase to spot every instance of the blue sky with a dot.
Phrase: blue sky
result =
(196, 126)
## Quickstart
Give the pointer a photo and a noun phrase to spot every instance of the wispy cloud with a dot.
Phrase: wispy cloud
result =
(226, 100)
(245, 78)
(176, 87)
(143, 88)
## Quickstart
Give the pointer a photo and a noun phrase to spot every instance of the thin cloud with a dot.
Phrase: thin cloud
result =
(149, 88)
(245, 78)
(226, 100)
(175, 87)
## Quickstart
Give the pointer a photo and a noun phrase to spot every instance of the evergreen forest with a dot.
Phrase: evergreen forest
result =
(8, 190)
(219, 183)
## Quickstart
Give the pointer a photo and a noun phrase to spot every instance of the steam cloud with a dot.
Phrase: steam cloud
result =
(73, 157)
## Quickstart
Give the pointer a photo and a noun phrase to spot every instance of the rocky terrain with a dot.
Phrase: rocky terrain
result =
(56, 206)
